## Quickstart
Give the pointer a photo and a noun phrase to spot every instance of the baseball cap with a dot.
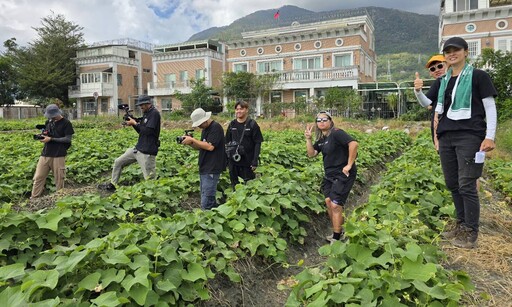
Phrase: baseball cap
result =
(435, 58)
(456, 42)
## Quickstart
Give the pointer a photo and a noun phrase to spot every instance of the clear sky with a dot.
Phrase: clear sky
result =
(161, 21)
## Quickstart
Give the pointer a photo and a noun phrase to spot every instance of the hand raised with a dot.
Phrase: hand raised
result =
(418, 82)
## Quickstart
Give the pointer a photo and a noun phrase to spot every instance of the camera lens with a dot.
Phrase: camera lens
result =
(236, 157)
(179, 139)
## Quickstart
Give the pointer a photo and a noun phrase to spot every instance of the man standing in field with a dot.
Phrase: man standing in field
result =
(144, 153)
(56, 137)
(243, 144)
(212, 157)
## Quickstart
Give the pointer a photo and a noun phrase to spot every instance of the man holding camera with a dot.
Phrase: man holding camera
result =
(144, 153)
(243, 145)
(56, 136)
(212, 159)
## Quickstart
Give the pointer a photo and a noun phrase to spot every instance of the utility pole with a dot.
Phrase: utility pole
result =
(389, 71)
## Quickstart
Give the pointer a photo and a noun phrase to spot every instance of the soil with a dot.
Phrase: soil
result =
(489, 265)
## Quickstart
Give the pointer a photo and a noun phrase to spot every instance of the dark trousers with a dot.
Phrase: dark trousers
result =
(457, 152)
(236, 171)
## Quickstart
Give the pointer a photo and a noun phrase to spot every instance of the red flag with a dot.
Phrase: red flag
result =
(276, 15)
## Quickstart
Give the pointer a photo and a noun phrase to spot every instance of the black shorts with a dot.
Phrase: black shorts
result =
(337, 188)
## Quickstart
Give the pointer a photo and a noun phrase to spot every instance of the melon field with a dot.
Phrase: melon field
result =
(149, 244)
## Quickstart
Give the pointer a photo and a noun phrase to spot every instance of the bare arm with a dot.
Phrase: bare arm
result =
(352, 154)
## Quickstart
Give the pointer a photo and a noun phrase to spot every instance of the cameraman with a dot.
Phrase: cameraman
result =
(144, 153)
(212, 159)
(56, 137)
(243, 139)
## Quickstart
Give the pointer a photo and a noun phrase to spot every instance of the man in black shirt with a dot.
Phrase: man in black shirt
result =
(57, 139)
(212, 159)
(243, 144)
(144, 153)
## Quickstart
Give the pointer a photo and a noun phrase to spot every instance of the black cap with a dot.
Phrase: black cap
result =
(143, 99)
(456, 42)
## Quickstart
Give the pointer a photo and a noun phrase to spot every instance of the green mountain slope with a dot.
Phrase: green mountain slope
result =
(395, 31)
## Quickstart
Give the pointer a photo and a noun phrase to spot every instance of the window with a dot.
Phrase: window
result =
(470, 27)
(107, 78)
(318, 44)
(307, 63)
(119, 79)
(260, 50)
(146, 70)
(170, 80)
(243, 52)
(136, 81)
(504, 44)
(473, 49)
(339, 42)
(501, 24)
(166, 104)
(276, 96)
(270, 66)
(300, 96)
(199, 74)
(240, 67)
(342, 60)
(184, 77)
(297, 47)
(465, 5)
(278, 49)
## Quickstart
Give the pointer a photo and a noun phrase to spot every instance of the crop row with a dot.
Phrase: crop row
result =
(139, 246)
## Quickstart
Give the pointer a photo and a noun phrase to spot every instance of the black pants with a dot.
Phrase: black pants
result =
(457, 152)
(236, 171)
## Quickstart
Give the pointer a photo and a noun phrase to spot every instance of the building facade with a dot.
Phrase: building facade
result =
(175, 65)
(308, 58)
(111, 73)
(482, 23)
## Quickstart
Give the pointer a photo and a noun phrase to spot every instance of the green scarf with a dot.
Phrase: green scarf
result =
(460, 107)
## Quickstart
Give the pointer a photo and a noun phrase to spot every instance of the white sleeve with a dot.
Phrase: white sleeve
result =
(490, 117)
(422, 99)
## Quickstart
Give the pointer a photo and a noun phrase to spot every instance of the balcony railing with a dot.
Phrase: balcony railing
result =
(88, 90)
(168, 88)
(315, 75)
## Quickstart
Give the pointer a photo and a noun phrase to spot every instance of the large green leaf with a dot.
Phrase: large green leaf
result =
(90, 281)
(194, 272)
(417, 270)
(113, 256)
(51, 219)
(12, 271)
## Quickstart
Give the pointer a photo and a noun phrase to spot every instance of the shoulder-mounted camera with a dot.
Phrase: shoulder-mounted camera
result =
(44, 132)
(127, 113)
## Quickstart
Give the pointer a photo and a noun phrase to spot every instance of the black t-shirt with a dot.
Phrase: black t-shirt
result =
(334, 149)
(149, 132)
(57, 129)
(252, 136)
(212, 162)
(482, 87)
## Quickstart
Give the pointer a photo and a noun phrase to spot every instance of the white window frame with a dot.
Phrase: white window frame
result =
(278, 49)
(258, 63)
(342, 54)
(318, 44)
(297, 59)
(506, 42)
(241, 63)
(167, 104)
(504, 27)
(470, 25)
(474, 48)
(260, 50)
(339, 42)
(297, 47)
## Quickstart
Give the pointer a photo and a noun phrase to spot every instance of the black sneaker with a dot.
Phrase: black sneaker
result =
(107, 186)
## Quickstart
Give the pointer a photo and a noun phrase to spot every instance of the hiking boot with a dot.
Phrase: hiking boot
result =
(466, 238)
(450, 234)
(107, 186)
(331, 240)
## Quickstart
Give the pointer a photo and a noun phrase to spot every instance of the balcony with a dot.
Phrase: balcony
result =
(168, 88)
(88, 89)
(316, 75)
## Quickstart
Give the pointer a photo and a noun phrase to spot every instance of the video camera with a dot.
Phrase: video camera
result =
(180, 139)
(42, 134)
(128, 113)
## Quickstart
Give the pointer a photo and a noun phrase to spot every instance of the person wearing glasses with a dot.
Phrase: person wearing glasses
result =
(436, 66)
(339, 151)
(466, 113)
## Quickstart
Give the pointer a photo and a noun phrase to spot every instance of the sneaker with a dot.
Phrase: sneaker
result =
(466, 238)
(330, 239)
(451, 234)
(107, 186)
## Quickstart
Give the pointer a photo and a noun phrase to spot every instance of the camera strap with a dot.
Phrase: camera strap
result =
(243, 132)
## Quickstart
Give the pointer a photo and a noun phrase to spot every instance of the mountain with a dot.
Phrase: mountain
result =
(395, 31)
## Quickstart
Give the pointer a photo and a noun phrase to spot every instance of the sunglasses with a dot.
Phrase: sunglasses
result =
(320, 120)
(438, 66)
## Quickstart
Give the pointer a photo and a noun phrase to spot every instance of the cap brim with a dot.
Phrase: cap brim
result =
(452, 45)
